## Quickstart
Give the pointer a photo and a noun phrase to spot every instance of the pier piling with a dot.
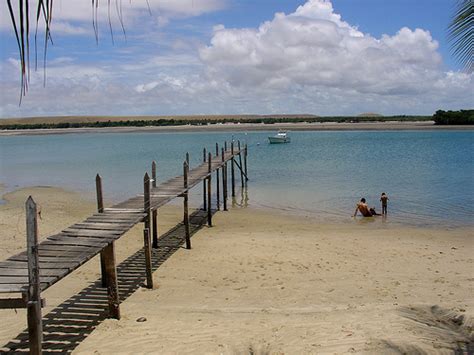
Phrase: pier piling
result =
(185, 205)
(35, 324)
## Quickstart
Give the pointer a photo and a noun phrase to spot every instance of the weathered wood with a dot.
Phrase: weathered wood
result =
(245, 163)
(23, 265)
(218, 197)
(146, 201)
(204, 193)
(100, 209)
(154, 216)
(91, 232)
(240, 164)
(4, 272)
(80, 241)
(224, 181)
(187, 158)
(232, 168)
(209, 191)
(153, 174)
(147, 252)
(23, 280)
(154, 219)
(16, 303)
(185, 207)
(35, 325)
(112, 284)
(11, 288)
(100, 198)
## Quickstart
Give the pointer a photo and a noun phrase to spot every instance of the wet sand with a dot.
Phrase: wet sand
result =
(261, 282)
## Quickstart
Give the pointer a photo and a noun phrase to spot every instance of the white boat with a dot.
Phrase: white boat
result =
(280, 137)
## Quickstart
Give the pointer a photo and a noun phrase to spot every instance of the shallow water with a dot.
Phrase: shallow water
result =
(428, 175)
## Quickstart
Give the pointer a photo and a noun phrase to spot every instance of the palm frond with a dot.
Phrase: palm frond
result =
(461, 34)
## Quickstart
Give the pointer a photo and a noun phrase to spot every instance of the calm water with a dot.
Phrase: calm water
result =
(428, 175)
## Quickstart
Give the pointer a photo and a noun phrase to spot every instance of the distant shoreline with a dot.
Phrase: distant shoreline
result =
(242, 127)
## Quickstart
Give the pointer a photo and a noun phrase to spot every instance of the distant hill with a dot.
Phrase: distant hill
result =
(370, 114)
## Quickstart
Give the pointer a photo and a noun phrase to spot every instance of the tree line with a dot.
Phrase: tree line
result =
(461, 117)
(213, 121)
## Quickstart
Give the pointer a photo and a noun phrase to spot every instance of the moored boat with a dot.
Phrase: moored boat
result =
(280, 137)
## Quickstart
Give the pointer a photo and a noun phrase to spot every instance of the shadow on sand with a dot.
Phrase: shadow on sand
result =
(66, 326)
(441, 331)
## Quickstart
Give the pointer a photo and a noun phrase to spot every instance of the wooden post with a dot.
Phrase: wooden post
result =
(245, 165)
(35, 324)
(204, 194)
(218, 192)
(185, 207)
(241, 166)
(224, 181)
(100, 198)
(225, 146)
(147, 251)
(232, 168)
(187, 158)
(154, 212)
(112, 284)
(146, 231)
(153, 174)
(100, 209)
(209, 187)
(146, 200)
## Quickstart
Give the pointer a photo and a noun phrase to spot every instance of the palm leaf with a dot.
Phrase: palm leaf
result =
(461, 34)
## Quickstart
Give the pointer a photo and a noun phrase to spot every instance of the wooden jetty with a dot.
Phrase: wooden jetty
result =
(43, 264)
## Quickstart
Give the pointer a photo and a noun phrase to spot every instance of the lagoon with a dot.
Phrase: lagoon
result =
(428, 175)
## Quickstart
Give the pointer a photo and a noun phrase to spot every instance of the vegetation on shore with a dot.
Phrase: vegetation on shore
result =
(203, 120)
(464, 117)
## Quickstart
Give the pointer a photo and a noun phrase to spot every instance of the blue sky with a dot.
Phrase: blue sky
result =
(339, 57)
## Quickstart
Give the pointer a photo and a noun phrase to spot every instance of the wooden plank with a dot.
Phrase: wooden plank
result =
(24, 272)
(91, 232)
(115, 218)
(43, 265)
(103, 226)
(82, 241)
(16, 303)
(23, 280)
(11, 288)
(52, 246)
(123, 210)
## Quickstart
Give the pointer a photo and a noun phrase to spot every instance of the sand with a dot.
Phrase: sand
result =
(245, 127)
(260, 282)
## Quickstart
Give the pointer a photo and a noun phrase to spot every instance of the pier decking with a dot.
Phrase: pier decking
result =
(43, 264)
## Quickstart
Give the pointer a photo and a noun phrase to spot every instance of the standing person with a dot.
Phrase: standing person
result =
(384, 200)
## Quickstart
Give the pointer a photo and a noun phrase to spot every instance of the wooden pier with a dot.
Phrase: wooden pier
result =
(43, 264)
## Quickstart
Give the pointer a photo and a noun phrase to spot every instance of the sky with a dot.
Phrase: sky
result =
(182, 57)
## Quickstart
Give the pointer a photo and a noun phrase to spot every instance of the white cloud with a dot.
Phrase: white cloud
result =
(75, 16)
(308, 61)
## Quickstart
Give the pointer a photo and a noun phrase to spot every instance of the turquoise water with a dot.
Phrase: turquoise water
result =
(428, 175)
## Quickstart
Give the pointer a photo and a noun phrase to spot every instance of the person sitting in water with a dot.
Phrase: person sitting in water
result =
(364, 209)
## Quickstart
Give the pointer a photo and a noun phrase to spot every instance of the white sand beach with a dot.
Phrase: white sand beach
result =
(260, 282)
